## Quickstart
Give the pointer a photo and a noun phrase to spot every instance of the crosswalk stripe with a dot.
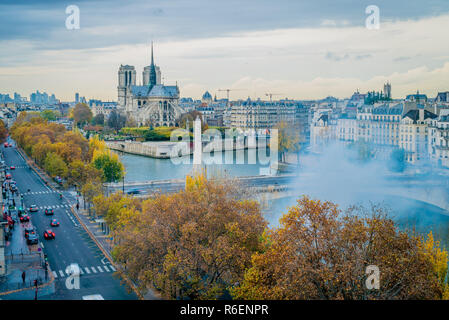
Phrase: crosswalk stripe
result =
(106, 268)
(61, 273)
(99, 268)
(55, 274)
(87, 269)
(81, 271)
(112, 267)
(93, 269)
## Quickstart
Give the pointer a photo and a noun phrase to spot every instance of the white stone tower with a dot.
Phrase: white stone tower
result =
(126, 79)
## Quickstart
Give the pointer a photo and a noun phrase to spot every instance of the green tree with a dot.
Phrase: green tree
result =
(116, 121)
(55, 165)
(50, 115)
(98, 119)
(111, 167)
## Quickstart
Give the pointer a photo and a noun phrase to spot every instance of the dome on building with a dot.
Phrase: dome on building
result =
(207, 97)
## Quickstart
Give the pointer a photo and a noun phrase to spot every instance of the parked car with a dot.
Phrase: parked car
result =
(32, 238)
(29, 230)
(24, 218)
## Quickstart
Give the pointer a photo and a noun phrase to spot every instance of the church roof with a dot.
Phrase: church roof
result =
(207, 95)
(158, 90)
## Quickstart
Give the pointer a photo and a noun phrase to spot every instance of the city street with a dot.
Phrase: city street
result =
(71, 244)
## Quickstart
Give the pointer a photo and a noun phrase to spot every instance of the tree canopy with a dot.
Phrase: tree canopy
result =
(320, 252)
(81, 114)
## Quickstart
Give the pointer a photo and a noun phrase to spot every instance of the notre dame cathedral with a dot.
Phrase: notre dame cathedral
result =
(152, 103)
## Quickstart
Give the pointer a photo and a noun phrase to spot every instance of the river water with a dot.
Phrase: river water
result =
(140, 168)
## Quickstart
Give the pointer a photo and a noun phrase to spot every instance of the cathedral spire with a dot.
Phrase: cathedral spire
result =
(152, 60)
(153, 79)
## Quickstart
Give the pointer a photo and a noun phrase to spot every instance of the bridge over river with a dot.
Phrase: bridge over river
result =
(432, 189)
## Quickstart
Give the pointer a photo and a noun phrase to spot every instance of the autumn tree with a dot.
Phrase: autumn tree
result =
(81, 114)
(320, 252)
(289, 139)
(190, 117)
(193, 244)
(3, 132)
(55, 165)
(91, 189)
(111, 208)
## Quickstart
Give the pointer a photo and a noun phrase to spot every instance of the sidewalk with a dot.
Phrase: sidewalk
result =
(22, 259)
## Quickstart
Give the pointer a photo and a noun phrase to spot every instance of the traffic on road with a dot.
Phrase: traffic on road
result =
(45, 218)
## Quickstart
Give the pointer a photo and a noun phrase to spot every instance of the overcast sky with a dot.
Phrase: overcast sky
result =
(298, 49)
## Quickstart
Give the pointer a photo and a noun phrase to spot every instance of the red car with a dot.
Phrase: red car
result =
(49, 234)
(54, 223)
(24, 218)
(6, 144)
(8, 176)
(33, 208)
(12, 168)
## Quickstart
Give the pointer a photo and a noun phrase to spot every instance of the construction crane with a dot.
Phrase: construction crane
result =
(227, 92)
(271, 95)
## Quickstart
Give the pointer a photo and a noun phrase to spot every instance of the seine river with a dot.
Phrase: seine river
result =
(139, 168)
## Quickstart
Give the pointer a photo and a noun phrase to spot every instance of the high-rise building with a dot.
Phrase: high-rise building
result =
(77, 97)
(387, 90)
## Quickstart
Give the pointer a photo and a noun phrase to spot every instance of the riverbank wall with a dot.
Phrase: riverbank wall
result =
(164, 149)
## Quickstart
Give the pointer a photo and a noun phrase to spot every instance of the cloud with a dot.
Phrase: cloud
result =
(334, 57)
(399, 59)
(272, 47)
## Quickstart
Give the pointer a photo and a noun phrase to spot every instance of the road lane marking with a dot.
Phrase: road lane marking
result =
(61, 273)
(87, 269)
(55, 274)
(112, 267)
(106, 268)
(99, 268)
(93, 269)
